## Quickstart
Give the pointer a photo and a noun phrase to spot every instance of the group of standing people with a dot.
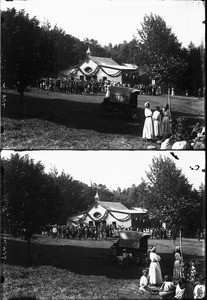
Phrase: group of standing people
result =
(157, 123)
(175, 287)
(157, 126)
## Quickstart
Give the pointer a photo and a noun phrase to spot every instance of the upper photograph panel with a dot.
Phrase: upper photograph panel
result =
(98, 75)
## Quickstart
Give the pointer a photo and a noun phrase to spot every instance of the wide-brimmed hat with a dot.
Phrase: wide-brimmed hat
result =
(146, 104)
(152, 249)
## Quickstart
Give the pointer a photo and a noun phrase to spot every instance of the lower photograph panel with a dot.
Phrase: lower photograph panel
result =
(102, 224)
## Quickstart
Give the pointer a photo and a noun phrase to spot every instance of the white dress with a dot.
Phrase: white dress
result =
(148, 129)
(157, 123)
(155, 274)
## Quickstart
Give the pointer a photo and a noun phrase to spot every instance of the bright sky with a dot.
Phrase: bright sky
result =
(114, 168)
(113, 21)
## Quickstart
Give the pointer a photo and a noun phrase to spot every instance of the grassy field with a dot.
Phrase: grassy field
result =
(65, 121)
(77, 269)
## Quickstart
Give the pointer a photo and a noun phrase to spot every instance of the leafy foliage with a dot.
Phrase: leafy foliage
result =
(159, 51)
(193, 75)
(22, 45)
(75, 196)
(33, 199)
(30, 198)
(170, 195)
(31, 51)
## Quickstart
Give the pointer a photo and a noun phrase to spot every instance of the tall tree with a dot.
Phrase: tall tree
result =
(103, 192)
(23, 50)
(170, 196)
(96, 48)
(159, 51)
(133, 197)
(64, 49)
(30, 197)
(194, 71)
(75, 195)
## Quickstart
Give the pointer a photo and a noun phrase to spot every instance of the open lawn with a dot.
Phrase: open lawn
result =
(65, 121)
(78, 269)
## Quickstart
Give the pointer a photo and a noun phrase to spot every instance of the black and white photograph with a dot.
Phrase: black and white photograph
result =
(103, 162)
(103, 224)
(104, 75)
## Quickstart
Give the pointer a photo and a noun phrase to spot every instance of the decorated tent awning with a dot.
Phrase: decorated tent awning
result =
(91, 65)
(114, 209)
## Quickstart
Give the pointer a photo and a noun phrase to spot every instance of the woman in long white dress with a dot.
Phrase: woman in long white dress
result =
(157, 122)
(155, 274)
(166, 120)
(148, 129)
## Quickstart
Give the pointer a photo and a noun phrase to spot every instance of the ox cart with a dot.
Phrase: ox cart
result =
(123, 100)
(131, 248)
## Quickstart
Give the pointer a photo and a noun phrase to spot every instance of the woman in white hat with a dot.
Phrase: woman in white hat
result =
(148, 129)
(155, 274)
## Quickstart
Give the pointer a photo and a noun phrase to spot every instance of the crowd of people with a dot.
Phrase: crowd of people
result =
(79, 86)
(92, 86)
(157, 127)
(73, 86)
(183, 284)
(101, 232)
(83, 231)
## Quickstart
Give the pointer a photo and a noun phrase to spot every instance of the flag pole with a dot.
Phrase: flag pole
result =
(181, 248)
(169, 99)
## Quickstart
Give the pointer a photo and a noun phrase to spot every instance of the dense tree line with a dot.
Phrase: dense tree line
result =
(31, 51)
(33, 198)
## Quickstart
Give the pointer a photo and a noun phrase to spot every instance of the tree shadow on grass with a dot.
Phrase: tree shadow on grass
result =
(85, 115)
(81, 260)
(74, 114)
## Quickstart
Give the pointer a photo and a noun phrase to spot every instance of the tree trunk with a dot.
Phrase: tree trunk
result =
(22, 104)
(29, 251)
(28, 238)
